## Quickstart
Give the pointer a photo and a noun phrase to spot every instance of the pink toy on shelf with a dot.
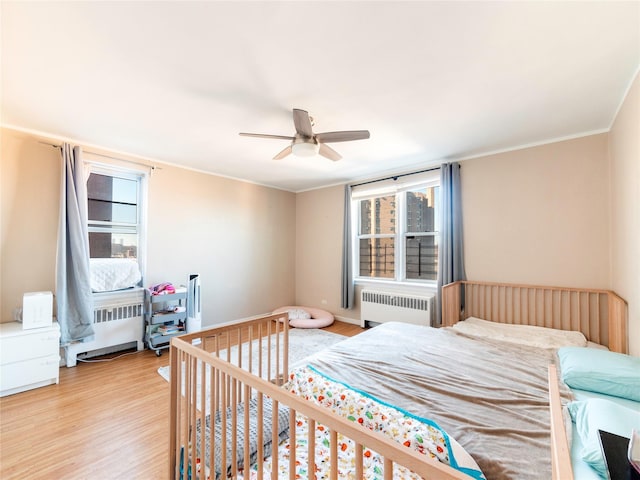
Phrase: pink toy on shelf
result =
(164, 288)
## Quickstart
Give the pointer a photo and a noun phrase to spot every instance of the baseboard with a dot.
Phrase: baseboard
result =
(97, 353)
(352, 321)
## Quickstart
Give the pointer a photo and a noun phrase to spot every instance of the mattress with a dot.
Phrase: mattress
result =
(109, 274)
(491, 396)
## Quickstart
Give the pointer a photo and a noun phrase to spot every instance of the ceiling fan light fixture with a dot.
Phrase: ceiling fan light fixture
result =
(305, 149)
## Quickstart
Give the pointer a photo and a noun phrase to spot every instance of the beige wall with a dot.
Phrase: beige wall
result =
(319, 249)
(238, 236)
(539, 215)
(30, 189)
(624, 143)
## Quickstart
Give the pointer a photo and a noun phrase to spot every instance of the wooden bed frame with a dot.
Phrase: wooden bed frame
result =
(204, 379)
(600, 315)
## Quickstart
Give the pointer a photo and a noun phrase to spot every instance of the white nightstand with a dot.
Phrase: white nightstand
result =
(28, 358)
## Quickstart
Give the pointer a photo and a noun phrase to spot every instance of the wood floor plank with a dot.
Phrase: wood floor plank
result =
(103, 421)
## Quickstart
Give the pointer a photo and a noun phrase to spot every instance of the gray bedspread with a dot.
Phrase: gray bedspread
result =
(491, 396)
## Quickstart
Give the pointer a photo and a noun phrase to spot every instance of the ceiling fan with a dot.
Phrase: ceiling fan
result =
(305, 143)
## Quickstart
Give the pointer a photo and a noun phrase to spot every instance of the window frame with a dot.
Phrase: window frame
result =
(128, 173)
(359, 236)
(401, 234)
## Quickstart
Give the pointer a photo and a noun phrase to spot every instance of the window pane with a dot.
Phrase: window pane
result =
(422, 258)
(377, 257)
(112, 199)
(113, 245)
(421, 212)
(378, 215)
(112, 212)
(112, 189)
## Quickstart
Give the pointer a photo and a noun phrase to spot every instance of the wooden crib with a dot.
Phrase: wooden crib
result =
(204, 380)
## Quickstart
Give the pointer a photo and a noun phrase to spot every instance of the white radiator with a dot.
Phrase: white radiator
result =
(380, 307)
(118, 323)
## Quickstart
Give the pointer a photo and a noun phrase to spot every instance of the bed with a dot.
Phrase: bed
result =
(309, 431)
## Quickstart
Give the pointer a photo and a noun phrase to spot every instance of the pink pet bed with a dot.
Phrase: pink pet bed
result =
(315, 318)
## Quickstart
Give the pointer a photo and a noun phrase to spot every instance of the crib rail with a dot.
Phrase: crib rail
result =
(561, 468)
(205, 382)
(600, 315)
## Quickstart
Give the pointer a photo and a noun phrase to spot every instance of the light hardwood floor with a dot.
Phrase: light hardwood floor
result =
(103, 421)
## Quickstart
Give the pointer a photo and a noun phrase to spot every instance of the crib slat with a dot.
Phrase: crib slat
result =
(311, 448)
(213, 405)
(239, 340)
(223, 424)
(292, 444)
(247, 429)
(269, 339)
(388, 469)
(201, 416)
(193, 395)
(260, 335)
(234, 426)
(359, 452)
(333, 447)
(274, 439)
(250, 346)
(285, 369)
(277, 359)
(595, 319)
(260, 424)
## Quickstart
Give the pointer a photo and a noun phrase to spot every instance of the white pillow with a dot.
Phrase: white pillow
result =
(530, 335)
(597, 345)
(298, 314)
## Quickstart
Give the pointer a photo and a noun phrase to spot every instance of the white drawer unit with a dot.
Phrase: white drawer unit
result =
(28, 358)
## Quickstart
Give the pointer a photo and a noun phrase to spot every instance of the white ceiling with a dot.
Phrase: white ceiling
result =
(432, 81)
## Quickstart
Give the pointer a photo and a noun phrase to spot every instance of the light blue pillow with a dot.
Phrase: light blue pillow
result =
(601, 371)
(598, 414)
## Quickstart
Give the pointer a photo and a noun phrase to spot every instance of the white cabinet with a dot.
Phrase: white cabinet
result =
(28, 358)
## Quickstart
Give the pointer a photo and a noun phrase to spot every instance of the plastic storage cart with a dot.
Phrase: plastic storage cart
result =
(165, 317)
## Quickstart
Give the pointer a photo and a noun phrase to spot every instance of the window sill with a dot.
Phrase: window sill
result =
(392, 285)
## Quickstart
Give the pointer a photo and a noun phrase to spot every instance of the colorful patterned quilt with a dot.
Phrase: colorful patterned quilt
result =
(420, 434)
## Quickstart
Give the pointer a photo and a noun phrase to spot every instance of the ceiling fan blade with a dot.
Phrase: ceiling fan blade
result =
(328, 152)
(283, 153)
(344, 136)
(302, 122)
(264, 135)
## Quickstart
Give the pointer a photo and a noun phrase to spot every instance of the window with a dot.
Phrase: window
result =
(115, 201)
(397, 229)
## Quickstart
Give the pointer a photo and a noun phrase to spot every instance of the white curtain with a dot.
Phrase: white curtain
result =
(73, 290)
(450, 247)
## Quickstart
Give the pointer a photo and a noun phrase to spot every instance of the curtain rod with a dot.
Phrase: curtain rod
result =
(152, 167)
(395, 177)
